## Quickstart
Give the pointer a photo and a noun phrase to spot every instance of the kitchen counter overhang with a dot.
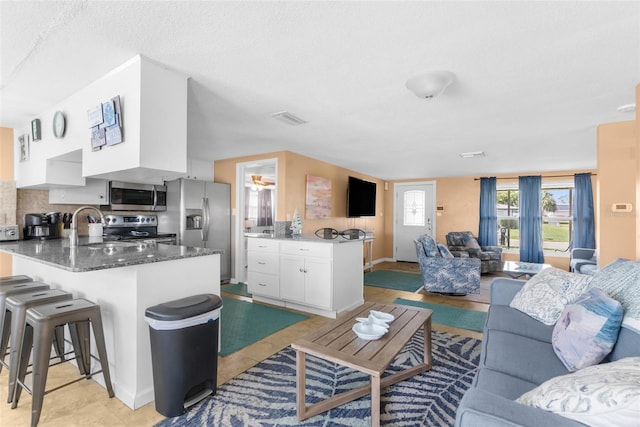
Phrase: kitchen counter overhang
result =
(95, 254)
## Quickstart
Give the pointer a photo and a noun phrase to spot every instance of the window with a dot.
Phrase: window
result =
(557, 216)
(414, 214)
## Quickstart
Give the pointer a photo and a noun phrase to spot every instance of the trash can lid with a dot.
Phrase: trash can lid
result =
(184, 308)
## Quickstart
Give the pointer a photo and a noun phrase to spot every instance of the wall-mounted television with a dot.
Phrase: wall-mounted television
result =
(361, 198)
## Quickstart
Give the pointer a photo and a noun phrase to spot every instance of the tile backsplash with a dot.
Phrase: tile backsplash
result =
(8, 202)
(37, 201)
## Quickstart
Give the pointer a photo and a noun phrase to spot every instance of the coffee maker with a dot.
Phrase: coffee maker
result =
(42, 226)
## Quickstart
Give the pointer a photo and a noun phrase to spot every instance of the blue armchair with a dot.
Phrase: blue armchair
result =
(463, 243)
(444, 273)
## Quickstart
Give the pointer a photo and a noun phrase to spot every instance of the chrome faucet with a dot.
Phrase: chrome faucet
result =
(73, 235)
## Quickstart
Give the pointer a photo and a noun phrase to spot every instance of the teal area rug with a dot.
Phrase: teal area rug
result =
(398, 280)
(243, 323)
(237, 289)
(451, 316)
(265, 395)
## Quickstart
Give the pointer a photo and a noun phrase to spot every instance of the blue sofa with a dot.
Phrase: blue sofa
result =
(517, 356)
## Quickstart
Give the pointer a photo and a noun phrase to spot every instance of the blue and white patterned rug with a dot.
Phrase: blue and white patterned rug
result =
(265, 395)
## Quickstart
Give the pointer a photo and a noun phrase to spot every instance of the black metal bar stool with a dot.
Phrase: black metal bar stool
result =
(40, 325)
(12, 285)
(18, 305)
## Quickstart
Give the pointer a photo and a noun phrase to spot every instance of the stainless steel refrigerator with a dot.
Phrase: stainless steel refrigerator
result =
(199, 212)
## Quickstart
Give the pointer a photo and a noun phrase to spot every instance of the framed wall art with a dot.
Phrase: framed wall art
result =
(23, 141)
(36, 131)
(318, 204)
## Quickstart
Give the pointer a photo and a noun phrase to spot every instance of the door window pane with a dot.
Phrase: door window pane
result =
(414, 208)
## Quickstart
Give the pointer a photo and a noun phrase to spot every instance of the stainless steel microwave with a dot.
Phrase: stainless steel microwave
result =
(126, 196)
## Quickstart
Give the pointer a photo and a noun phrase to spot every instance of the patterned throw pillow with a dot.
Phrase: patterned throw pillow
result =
(587, 330)
(600, 395)
(620, 281)
(546, 294)
(473, 247)
(444, 251)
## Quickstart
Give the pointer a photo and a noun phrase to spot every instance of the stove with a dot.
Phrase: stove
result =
(135, 227)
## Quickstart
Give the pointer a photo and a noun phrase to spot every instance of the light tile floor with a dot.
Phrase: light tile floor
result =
(86, 403)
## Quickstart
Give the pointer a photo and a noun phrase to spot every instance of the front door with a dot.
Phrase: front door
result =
(414, 216)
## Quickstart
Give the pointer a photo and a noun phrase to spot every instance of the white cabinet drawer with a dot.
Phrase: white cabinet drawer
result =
(263, 245)
(264, 284)
(264, 262)
(307, 249)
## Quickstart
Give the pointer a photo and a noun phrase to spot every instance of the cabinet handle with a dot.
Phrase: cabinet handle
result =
(301, 270)
(262, 284)
(304, 249)
(263, 246)
(261, 262)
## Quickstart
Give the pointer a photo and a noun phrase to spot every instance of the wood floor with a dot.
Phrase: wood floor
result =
(86, 403)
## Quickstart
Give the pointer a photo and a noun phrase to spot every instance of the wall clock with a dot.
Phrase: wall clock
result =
(59, 124)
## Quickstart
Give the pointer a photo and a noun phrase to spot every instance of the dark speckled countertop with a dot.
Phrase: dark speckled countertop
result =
(94, 254)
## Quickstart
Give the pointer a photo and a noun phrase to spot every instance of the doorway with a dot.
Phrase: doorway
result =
(256, 189)
(414, 215)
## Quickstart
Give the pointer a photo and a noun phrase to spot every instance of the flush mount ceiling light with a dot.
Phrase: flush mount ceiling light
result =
(431, 84)
(472, 154)
(627, 108)
(288, 118)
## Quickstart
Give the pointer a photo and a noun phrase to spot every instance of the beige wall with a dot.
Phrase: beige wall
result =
(8, 195)
(616, 184)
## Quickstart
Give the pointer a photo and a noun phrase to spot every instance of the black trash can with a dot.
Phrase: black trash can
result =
(184, 351)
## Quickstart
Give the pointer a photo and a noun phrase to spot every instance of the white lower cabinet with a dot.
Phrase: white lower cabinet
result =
(321, 277)
(263, 266)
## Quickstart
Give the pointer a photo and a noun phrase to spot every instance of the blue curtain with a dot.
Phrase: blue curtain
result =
(488, 231)
(530, 219)
(584, 234)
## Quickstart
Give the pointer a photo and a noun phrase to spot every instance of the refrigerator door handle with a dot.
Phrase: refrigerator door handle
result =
(207, 218)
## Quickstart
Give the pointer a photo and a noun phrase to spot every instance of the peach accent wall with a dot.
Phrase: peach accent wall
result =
(637, 186)
(617, 171)
(291, 186)
(8, 197)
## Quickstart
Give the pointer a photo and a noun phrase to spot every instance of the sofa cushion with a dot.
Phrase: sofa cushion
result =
(501, 384)
(620, 281)
(504, 318)
(587, 330)
(600, 395)
(628, 344)
(520, 357)
(545, 295)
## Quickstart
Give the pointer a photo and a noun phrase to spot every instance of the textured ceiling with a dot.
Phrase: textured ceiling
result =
(534, 79)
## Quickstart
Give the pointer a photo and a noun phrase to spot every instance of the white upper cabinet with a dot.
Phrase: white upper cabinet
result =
(153, 102)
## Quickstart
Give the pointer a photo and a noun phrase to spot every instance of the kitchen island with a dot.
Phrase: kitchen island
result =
(124, 278)
(306, 273)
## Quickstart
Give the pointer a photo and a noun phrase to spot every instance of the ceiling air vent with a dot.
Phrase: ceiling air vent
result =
(288, 118)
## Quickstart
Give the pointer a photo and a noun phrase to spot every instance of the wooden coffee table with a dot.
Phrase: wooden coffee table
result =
(336, 342)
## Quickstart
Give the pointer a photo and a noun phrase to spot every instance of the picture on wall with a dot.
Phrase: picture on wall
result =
(318, 197)
(23, 140)
(105, 121)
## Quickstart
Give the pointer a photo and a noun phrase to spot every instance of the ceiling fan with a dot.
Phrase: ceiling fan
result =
(259, 183)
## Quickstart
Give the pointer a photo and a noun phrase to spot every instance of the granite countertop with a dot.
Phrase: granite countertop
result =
(94, 254)
(302, 238)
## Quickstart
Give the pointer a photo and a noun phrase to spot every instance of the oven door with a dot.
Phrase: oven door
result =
(126, 196)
